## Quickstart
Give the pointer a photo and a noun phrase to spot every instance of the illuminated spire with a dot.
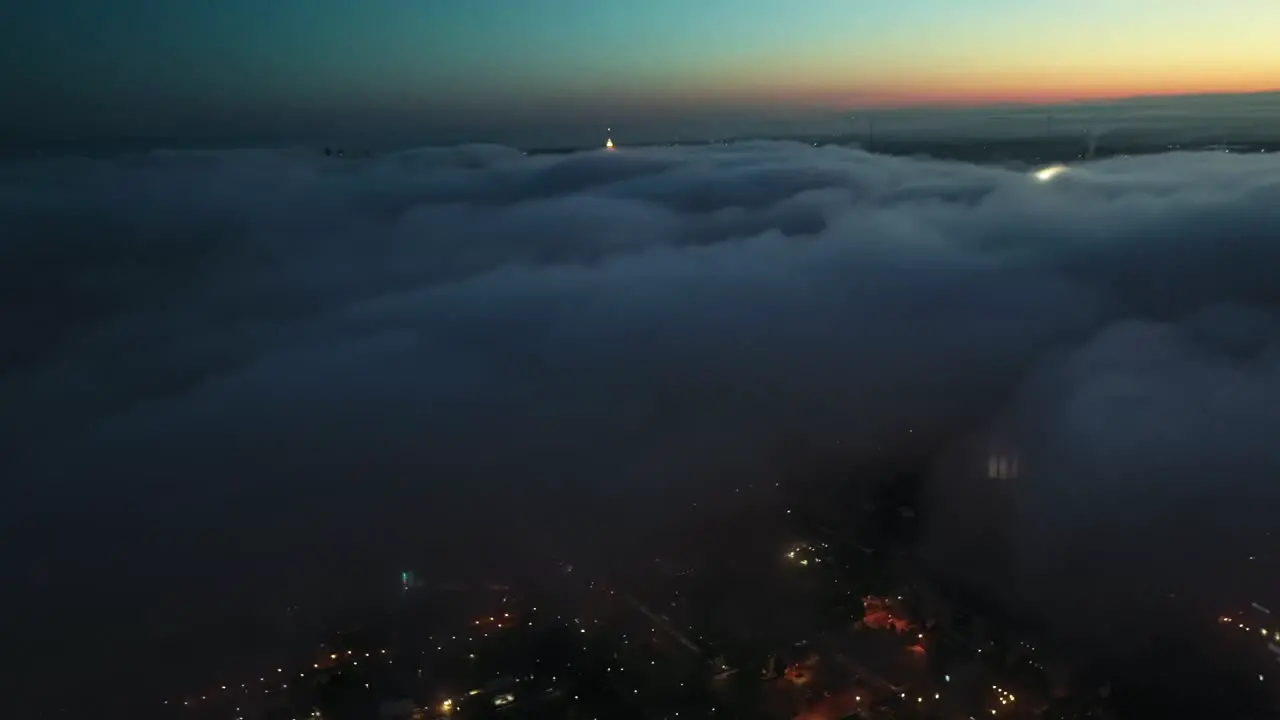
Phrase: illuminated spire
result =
(608, 142)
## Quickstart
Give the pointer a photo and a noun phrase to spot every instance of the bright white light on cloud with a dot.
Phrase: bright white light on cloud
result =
(1048, 173)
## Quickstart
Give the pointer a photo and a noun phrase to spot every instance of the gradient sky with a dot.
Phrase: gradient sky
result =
(155, 67)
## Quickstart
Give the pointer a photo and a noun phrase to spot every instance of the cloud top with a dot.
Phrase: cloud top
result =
(301, 355)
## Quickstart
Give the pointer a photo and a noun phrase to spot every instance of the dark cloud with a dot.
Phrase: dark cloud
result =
(289, 372)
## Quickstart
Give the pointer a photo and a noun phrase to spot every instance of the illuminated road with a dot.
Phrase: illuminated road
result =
(666, 627)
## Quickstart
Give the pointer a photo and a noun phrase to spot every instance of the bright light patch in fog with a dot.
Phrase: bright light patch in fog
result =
(1048, 173)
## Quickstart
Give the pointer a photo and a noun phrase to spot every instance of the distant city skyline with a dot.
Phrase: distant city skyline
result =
(1209, 118)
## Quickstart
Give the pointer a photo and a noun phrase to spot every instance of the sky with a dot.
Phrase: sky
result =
(235, 381)
(444, 70)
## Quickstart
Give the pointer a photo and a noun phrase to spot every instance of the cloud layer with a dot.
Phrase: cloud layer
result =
(219, 365)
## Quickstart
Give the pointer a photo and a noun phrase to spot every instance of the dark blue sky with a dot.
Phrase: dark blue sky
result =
(154, 67)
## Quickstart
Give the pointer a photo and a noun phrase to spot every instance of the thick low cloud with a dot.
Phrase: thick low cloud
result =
(232, 376)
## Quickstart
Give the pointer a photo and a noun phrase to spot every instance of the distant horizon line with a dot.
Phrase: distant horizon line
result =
(1080, 100)
(177, 141)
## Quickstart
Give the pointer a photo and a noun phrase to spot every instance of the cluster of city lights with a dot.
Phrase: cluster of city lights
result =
(493, 621)
(1004, 697)
(638, 659)
(272, 682)
(638, 663)
(919, 698)
(800, 554)
(450, 706)
(454, 705)
(1264, 632)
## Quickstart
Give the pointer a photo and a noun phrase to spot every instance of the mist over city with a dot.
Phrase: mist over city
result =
(898, 361)
(474, 350)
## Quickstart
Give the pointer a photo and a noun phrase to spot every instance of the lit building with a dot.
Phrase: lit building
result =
(1002, 466)
(973, 507)
(1004, 470)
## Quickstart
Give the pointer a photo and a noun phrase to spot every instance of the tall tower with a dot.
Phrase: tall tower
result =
(1004, 470)
(973, 515)
(608, 142)
(1002, 464)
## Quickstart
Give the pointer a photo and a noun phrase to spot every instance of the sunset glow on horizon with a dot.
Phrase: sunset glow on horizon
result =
(995, 52)
(476, 66)
(892, 53)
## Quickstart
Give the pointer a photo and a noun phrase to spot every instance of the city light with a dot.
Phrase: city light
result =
(1048, 173)
(893, 611)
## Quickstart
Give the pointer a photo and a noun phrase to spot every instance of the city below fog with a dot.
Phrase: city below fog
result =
(564, 360)
(919, 416)
(830, 607)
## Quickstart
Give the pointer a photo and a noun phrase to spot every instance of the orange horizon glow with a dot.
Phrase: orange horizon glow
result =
(974, 91)
(1079, 61)
(1034, 96)
(681, 60)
